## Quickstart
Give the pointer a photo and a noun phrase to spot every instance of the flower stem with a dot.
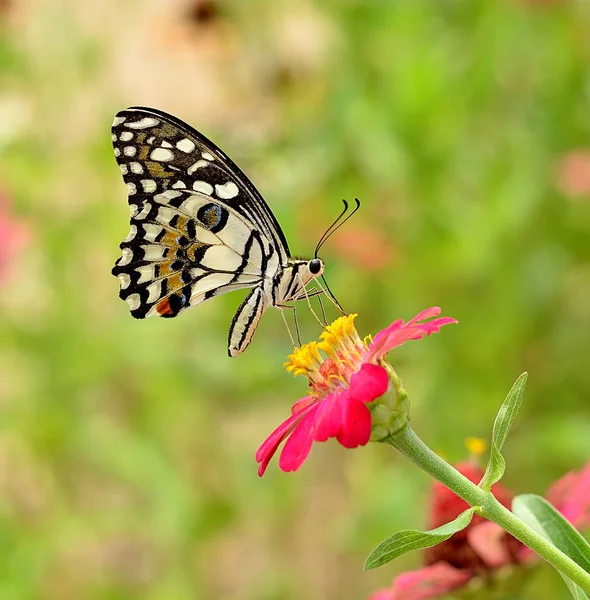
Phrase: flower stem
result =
(409, 444)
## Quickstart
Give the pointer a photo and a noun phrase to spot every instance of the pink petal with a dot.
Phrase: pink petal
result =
(384, 333)
(398, 333)
(429, 582)
(571, 496)
(355, 429)
(301, 404)
(425, 314)
(368, 383)
(273, 441)
(297, 448)
(489, 542)
(328, 417)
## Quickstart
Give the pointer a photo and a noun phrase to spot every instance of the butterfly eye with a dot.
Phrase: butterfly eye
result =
(315, 266)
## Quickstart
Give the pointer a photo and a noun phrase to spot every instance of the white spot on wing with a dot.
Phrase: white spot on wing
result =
(146, 272)
(185, 145)
(161, 154)
(144, 211)
(123, 169)
(151, 231)
(126, 136)
(191, 205)
(129, 150)
(203, 187)
(136, 168)
(117, 151)
(207, 156)
(227, 191)
(134, 301)
(179, 184)
(154, 290)
(166, 196)
(143, 123)
(222, 258)
(197, 165)
(131, 189)
(124, 279)
(132, 233)
(118, 121)
(133, 209)
(126, 258)
(149, 185)
(154, 252)
(166, 144)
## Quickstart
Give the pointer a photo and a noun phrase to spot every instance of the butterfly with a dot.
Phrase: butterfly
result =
(199, 228)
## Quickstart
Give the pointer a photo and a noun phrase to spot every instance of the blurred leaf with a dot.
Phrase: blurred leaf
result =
(546, 520)
(410, 539)
(502, 424)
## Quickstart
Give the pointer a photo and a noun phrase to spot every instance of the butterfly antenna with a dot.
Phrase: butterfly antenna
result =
(337, 224)
(327, 233)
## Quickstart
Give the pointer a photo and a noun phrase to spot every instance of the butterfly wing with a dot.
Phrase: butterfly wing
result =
(199, 228)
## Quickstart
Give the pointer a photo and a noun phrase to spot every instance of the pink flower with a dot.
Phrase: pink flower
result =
(573, 174)
(482, 544)
(482, 547)
(429, 582)
(341, 387)
(14, 236)
(571, 496)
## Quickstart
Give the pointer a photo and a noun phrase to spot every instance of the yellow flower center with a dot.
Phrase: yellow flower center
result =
(344, 349)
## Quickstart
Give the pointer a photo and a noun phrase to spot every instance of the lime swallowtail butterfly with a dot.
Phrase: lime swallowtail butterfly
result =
(199, 228)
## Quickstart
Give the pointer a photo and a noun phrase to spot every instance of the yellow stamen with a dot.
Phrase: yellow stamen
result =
(304, 360)
(339, 335)
(475, 446)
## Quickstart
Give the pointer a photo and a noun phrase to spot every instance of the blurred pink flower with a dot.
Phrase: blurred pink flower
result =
(341, 386)
(571, 496)
(482, 547)
(14, 235)
(573, 174)
(430, 582)
(367, 248)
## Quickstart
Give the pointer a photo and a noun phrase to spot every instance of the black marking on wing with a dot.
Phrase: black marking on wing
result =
(218, 172)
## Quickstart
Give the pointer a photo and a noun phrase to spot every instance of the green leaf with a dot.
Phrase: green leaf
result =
(546, 520)
(504, 420)
(410, 539)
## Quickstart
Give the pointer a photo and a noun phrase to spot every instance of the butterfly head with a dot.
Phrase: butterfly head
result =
(316, 266)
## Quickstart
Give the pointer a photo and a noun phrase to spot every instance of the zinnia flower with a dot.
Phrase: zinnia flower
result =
(343, 388)
(482, 548)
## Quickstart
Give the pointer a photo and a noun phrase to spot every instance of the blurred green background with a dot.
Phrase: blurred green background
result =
(127, 447)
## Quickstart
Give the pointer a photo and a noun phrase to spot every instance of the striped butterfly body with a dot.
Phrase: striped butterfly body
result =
(199, 228)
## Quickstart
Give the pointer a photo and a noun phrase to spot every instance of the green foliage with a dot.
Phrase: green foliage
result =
(504, 421)
(536, 512)
(410, 539)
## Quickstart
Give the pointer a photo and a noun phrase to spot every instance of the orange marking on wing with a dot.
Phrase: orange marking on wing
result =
(166, 269)
(170, 239)
(174, 282)
(181, 225)
(163, 307)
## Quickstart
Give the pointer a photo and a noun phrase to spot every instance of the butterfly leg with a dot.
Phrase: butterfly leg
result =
(287, 325)
(319, 295)
(307, 295)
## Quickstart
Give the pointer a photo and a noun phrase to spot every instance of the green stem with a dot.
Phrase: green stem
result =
(409, 444)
